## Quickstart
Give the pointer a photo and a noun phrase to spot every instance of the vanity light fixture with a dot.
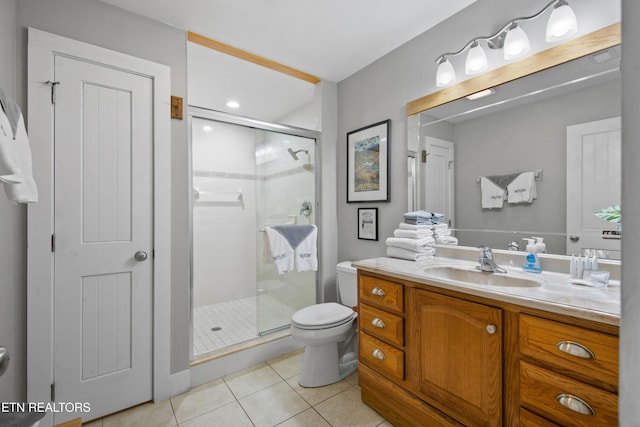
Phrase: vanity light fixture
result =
(446, 74)
(511, 38)
(516, 42)
(476, 60)
(562, 23)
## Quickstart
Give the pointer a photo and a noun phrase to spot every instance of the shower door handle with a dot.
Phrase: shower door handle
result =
(141, 256)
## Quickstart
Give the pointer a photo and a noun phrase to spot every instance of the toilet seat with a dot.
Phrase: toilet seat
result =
(322, 316)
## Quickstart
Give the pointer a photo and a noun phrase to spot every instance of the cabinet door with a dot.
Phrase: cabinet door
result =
(459, 356)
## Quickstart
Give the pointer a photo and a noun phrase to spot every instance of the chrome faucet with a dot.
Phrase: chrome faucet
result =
(487, 263)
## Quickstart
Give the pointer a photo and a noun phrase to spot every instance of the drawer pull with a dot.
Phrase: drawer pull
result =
(492, 329)
(575, 404)
(576, 349)
(378, 354)
(378, 292)
(378, 323)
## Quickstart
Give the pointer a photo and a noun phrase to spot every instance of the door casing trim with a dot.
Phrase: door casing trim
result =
(42, 48)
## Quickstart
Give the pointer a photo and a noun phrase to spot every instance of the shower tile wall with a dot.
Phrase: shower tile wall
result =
(224, 239)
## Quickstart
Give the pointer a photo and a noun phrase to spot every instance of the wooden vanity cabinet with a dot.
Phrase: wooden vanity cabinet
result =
(435, 357)
(458, 356)
(568, 374)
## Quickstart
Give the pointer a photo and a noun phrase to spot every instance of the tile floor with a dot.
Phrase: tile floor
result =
(264, 395)
(235, 322)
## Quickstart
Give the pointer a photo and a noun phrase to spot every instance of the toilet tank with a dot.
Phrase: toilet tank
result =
(347, 279)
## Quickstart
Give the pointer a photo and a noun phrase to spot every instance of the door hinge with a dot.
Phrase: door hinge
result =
(450, 163)
(53, 90)
(53, 243)
(424, 156)
(53, 392)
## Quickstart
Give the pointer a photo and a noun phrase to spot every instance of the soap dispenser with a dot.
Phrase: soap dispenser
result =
(540, 246)
(531, 264)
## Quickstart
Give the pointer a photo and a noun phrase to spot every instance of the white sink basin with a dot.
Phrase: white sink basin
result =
(470, 275)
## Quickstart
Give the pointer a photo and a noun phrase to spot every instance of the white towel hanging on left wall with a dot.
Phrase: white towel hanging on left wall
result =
(15, 154)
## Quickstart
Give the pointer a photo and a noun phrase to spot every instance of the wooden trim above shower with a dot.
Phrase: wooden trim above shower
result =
(247, 56)
(577, 48)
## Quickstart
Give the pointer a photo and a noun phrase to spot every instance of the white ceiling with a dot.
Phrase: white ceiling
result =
(331, 39)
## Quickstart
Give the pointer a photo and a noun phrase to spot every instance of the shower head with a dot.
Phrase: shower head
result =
(294, 154)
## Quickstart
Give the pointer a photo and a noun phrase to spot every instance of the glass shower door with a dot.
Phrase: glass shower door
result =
(285, 195)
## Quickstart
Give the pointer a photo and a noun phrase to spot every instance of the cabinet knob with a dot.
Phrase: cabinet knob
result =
(576, 349)
(492, 329)
(378, 354)
(378, 323)
(378, 292)
(575, 404)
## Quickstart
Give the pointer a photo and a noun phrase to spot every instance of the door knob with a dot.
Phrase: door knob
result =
(574, 238)
(140, 256)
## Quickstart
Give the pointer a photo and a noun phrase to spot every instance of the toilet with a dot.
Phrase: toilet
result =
(328, 332)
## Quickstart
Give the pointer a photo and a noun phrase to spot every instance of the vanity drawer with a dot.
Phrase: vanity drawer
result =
(380, 356)
(529, 419)
(542, 390)
(571, 348)
(381, 292)
(382, 324)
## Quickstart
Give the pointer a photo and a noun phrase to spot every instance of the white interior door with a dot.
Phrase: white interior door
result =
(593, 183)
(103, 231)
(437, 181)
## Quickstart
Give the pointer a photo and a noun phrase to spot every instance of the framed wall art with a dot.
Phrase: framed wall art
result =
(368, 223)
(368, 163)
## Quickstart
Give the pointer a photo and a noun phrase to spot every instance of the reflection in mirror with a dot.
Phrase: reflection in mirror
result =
(563, 124)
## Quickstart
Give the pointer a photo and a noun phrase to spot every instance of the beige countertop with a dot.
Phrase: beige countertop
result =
(555, 294)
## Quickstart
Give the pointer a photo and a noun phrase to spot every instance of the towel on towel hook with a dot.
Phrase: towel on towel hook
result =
(15, 154)
(522, 189)
(292, 247)
(492, 195)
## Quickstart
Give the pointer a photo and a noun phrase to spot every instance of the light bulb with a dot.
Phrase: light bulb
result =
(561, 24)
(445, 75)
(516, 43)
(476, 60)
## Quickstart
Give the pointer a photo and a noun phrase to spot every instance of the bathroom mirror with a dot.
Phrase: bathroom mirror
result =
(522, 127)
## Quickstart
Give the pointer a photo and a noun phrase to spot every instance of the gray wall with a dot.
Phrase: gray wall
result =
(13, 242)
(94, 22)
(630, 333)
(529, 137)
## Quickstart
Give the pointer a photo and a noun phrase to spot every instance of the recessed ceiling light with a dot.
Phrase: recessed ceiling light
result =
(207, 128)
(480, 94)
(233, 104)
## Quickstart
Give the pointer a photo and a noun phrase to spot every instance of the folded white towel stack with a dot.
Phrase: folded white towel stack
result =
(415, 236)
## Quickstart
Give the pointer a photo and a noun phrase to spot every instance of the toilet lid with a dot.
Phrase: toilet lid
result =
(322, 315)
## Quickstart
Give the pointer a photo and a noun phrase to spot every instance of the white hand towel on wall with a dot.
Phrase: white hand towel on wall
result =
(491, 194)
(15, 158)
(306, 252)
(278, 251)
(522, 189)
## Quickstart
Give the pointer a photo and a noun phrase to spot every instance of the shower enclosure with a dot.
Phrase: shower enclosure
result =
(246, 175)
